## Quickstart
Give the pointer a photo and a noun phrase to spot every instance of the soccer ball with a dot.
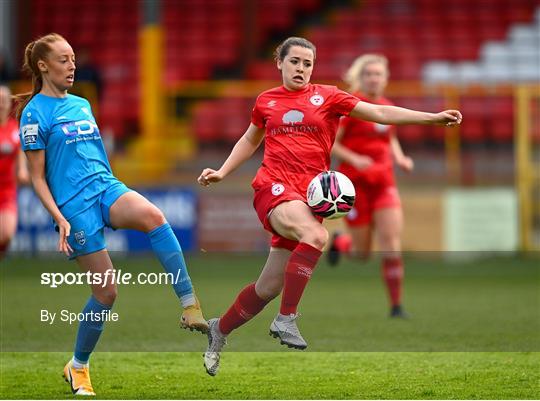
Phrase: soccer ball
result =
(330, 195)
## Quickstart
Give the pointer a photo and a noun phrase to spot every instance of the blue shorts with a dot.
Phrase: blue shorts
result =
(87, 228)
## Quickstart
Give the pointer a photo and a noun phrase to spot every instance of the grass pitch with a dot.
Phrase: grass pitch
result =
(474, 333)
(316, 375)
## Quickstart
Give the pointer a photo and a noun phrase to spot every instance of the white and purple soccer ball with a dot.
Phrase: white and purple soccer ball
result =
(331, 194)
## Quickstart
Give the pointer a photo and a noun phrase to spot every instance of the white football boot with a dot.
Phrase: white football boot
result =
(216, 341)
(284, 327)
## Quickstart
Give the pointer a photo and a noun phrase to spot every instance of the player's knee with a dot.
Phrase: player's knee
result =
(321, 238)
(154, 218)
(107, 295)
(316, 236)
(5, 236)
(268, 290)
(389, 242)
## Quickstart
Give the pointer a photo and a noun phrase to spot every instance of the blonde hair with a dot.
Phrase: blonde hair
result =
(35, 51)
(353, 74)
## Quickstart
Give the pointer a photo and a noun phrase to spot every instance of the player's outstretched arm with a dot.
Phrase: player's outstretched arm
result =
(401, 116)
(243, 150)
(36, 165)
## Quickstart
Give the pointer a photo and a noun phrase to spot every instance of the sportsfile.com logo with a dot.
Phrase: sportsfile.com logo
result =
(111, 276)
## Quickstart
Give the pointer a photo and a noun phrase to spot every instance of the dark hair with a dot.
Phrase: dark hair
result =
(35, 51)
(283, 49)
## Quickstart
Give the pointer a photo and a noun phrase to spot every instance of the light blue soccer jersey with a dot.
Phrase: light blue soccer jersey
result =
(76, 165)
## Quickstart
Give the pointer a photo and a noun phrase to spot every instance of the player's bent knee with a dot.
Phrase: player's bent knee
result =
(154, 218)
(316, 236)
(268, 291)
(106, 295)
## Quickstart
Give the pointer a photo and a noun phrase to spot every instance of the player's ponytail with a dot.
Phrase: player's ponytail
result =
(35, 51)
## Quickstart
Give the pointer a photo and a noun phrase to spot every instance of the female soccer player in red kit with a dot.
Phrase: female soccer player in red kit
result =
(12, 168)
(366, 150)
(297, 121)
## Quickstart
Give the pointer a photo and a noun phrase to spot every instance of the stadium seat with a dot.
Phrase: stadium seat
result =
(437, 72)
(410, 135)
(264, 70)
(474, 131)
(468, 72)
(501, 130)
(206, 122)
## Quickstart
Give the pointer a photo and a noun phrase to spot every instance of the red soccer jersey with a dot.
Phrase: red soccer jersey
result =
(9, 147)
(300, 131)
(369, 139)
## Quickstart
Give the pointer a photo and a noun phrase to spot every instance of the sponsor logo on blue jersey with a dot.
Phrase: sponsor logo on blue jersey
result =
(82, 127)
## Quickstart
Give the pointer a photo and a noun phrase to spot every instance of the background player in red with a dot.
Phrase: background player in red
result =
(298, 122)
(12, 168)
(367, 151)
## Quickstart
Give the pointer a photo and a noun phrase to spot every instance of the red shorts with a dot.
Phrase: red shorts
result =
(267, 197)
(370, 199)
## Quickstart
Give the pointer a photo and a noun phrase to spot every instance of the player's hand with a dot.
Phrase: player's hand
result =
(406, 164)
(448, 118)
(361, 162)
(209, 176)
(64, 229)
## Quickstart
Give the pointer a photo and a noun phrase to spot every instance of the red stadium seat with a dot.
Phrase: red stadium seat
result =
(206, 122)
(502, 107)
(265, 70)
(501, 129)
(474, 131)
(410, 134)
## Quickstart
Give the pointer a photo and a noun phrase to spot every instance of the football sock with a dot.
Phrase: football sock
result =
(89, 329)
(246, 305)
(168, 250)
(392, 270)
(343, 243)
(78, 365)
(297, 274)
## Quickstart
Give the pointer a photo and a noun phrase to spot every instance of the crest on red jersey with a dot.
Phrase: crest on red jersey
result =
(277, 189)
(316, 100)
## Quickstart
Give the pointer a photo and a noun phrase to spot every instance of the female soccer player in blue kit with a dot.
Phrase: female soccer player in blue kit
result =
(72, 177)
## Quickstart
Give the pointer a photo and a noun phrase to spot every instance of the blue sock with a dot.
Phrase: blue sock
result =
(167, 248)
(89, 330)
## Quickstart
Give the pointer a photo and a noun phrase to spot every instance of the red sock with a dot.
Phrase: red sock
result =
(297, 274)
(3, 248)
(392, 269)
(343, 243)
(246, 305)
